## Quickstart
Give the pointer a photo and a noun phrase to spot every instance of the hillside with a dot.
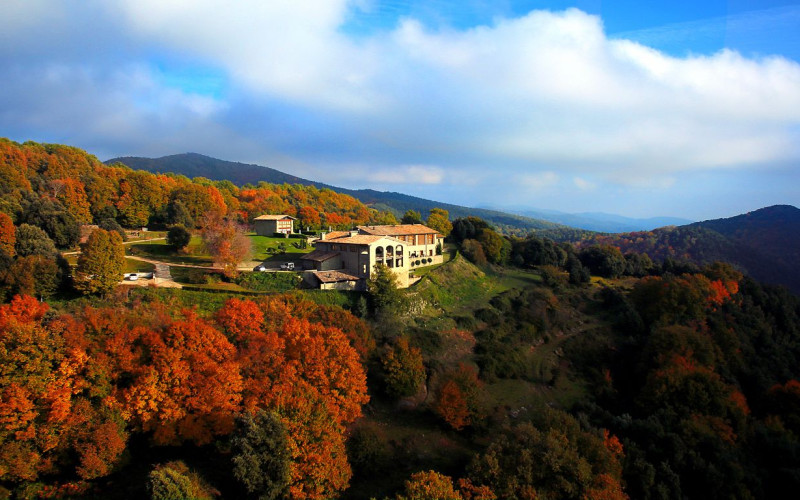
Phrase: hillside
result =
(765, 243)
(196, 165)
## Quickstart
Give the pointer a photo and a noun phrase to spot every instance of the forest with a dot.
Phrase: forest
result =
(521, 368)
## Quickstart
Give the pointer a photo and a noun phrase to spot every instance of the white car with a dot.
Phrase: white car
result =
(132, 277)
(287, 266)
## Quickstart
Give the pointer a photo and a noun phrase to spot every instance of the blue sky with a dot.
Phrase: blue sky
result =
(688, 109)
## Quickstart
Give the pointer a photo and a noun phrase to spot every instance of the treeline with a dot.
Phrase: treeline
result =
(272, 383)
(698, 378)
(59, 187)
(764, 244)
(692, 377)
(558, 262)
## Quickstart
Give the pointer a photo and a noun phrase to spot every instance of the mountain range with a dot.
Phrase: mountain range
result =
(196, 165)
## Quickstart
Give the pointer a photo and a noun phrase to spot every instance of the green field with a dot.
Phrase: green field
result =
(159, 250)
(269, 249)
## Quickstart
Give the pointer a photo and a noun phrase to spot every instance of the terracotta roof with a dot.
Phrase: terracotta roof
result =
(399, 230)
(319, 256)
(336, 234)
(359, 239)
(334, 276)
(274, 217)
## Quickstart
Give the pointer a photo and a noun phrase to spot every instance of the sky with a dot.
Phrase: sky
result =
(661, 108)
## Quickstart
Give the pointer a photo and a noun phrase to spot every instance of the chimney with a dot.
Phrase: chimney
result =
(322, 235)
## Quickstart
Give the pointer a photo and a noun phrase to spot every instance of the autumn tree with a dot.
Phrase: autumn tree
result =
(33, 275)
(52, 420)
(404, 368)
(429, 485)
(101, 263)
(226, 242)
(261, 459)
(439, 219)
(8, 236)
(308, 216)
(458, 401)
(177, 379)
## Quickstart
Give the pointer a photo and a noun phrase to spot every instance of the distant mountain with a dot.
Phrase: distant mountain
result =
(765, 243)
(196, 165)
(603, 222)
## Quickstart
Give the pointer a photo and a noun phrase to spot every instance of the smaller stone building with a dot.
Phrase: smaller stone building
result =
(267, 225)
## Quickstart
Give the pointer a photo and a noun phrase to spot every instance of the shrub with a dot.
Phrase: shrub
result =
(175, 481)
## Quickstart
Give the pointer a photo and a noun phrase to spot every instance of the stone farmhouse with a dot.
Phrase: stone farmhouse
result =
(345, 259)
(267, 225)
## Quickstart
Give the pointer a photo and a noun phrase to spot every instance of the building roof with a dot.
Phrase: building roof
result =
(336, 234)
(398, 230)
(359, 239)
(334, 276)
(319, 256)
(274, 217)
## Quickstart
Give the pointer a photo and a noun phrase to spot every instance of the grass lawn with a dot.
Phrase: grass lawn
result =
(159, 250)
(137, 266)
(267, 248)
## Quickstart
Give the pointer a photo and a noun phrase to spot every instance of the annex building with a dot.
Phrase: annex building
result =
(267, 225)
(344, 259)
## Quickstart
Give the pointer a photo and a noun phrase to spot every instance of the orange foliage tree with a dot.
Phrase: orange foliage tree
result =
(225, 240)
(8, 234)
(47, 407)
(182, 380)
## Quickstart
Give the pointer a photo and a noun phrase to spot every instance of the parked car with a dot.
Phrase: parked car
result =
(287, 266)
(132, 277)
(261, 268)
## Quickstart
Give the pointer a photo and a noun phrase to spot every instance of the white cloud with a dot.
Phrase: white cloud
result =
(538, 181)
(583, 184)
(546, 92)
(402, 174)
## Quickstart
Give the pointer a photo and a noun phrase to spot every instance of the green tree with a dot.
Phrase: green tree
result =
(178, 214)
(383, 290)
(467, 228)
(261, 459)
(439, 219)
(178, 237)
(32, 240)
(111, 224)
(495, 247)
(175, 481)
(411, 217)
(51, 216)
(404, 368)
(385, 219)
(603, 260)
(101, 263)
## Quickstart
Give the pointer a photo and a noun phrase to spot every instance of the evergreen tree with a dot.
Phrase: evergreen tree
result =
(261, 459)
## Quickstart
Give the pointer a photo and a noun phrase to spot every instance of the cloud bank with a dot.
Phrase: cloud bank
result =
(543, 104)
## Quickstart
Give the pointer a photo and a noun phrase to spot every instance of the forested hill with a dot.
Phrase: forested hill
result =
(765, 243)
(196, 165)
